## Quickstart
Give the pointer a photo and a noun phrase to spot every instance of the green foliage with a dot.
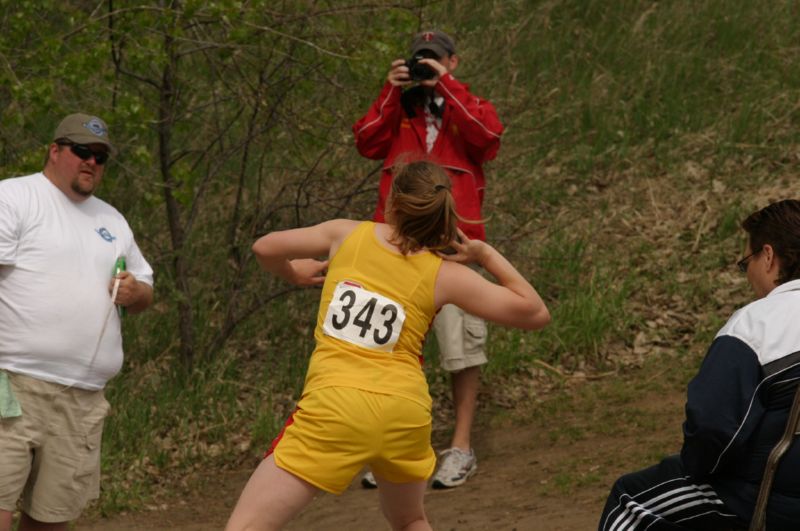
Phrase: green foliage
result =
(586, 304)
(165, 422)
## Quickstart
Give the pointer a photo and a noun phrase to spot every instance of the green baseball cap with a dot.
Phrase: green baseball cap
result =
(84, 129)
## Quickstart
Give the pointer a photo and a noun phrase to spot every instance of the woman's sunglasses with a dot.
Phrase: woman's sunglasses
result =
(744, 262)
(84, 152)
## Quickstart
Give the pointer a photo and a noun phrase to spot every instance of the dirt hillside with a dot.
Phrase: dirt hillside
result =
(548, 469)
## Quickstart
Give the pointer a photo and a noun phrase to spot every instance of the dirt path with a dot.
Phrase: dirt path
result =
(548, 472)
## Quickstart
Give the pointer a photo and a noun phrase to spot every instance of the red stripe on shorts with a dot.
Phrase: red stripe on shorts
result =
(278, 438)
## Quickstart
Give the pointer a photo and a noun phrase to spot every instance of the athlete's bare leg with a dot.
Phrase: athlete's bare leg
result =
(402, 504)
(270, 499)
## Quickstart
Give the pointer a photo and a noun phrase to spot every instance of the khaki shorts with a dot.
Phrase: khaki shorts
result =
(461, 338)
(335, 431)
(50, 456)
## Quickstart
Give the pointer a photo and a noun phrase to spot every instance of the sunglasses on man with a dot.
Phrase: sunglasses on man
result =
(84, 152)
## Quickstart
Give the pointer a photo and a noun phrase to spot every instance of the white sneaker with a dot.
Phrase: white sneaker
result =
(456, 467)
(368, 480)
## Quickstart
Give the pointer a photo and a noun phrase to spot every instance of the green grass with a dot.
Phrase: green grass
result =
(163, 423)
(167, 420)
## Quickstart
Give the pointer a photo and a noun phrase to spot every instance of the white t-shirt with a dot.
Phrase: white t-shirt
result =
(56, 262)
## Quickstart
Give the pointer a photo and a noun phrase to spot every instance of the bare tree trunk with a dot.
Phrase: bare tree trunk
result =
(166, 114)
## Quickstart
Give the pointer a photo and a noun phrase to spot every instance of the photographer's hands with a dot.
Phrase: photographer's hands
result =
(437, 67)
(399, 75)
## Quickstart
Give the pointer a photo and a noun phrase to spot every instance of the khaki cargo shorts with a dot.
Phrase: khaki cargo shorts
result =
(461, 338)
(50, 455)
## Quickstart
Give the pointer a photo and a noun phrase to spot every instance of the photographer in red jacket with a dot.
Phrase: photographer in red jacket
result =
(425, 112)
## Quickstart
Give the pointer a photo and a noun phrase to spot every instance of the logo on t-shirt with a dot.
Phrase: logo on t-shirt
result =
(105, 234)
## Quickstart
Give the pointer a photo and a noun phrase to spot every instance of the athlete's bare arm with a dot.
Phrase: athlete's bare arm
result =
(512, 301)
(292, 254)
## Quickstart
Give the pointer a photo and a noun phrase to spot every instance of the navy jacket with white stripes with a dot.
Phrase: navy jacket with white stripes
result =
(738, 404)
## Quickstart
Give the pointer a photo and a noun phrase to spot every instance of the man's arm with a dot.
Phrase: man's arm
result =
(133, 294)
(376, 130)
(722, 410)
(475, 118)
(9, 229)
(135, 291)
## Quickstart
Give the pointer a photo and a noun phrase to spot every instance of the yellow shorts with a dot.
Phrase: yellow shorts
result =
(335, 431)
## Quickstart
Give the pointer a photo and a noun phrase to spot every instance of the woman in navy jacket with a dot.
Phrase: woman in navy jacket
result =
(737, 405)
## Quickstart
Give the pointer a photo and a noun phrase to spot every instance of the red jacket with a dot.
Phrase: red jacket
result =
(469, 136)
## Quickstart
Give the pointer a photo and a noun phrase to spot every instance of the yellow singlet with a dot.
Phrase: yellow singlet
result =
(376, 307)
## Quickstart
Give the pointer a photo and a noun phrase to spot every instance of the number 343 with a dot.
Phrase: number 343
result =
(364, 318)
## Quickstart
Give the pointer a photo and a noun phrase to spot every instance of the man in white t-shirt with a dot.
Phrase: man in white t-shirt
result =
(61, 298)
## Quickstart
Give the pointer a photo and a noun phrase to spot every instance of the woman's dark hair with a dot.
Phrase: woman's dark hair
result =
(779, 226)
(421, 207)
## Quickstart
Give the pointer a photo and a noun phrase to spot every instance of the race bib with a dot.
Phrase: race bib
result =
(364, 318)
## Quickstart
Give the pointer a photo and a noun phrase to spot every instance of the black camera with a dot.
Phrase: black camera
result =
(419, 71)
